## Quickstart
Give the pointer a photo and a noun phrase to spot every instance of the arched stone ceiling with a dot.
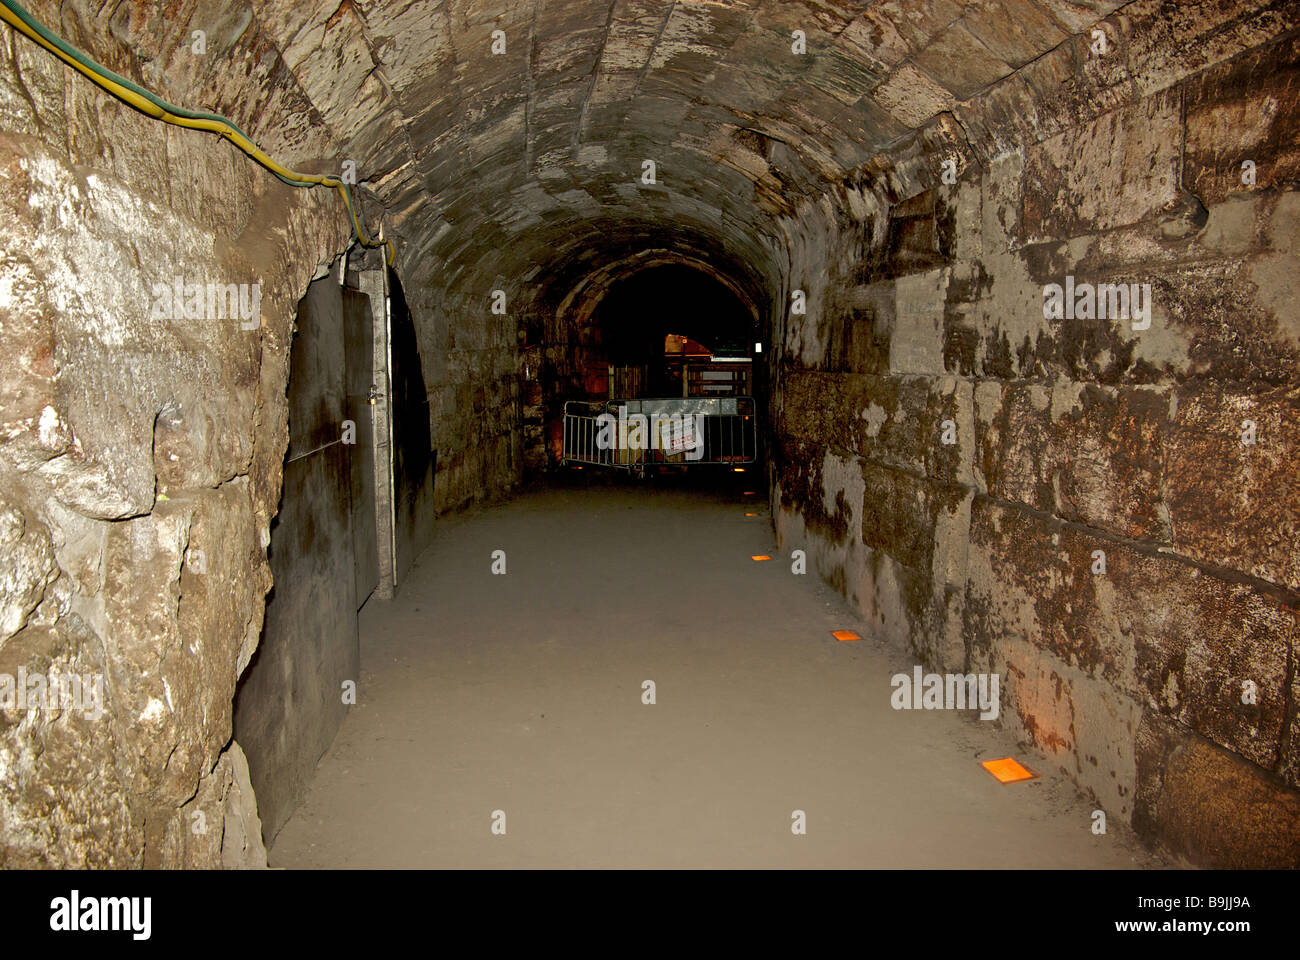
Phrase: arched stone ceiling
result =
(555, 130)
(495, 165)
(473, 151)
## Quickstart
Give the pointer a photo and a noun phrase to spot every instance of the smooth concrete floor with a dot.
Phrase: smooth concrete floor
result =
(522, 693)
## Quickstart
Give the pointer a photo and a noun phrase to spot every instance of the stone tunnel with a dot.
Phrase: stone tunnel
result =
(284, 497)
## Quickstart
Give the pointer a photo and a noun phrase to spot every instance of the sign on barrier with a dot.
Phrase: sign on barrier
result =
(633, 434)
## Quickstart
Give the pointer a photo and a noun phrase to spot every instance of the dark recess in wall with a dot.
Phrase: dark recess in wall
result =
(414, 459)
(289, 702)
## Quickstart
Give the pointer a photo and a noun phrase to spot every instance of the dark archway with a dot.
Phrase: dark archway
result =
(639, 311)
(633, 322)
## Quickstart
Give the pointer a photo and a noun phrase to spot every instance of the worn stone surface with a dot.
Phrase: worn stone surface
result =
(1233, 503)
(1078, 436)
(140, 454)
(241, 841)
(1180, 642)
(1209, 805)
(1083, 452)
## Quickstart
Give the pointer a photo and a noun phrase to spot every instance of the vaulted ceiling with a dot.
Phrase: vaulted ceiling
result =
(496, 162)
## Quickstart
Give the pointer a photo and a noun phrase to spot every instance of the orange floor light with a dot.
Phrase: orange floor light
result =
(845, 635)
(749, 493)
(759, 557)
(1007, 770)
(751, 514)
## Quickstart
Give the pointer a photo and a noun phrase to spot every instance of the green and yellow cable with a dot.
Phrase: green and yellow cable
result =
(152, 105)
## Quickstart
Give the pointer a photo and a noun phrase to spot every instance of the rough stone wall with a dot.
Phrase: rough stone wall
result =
(472, 371)
(1073, 436)
(140, 459)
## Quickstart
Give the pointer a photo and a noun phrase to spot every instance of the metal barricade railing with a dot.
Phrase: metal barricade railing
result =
(676, 431)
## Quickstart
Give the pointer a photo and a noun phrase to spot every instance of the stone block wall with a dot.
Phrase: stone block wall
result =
(957, 462)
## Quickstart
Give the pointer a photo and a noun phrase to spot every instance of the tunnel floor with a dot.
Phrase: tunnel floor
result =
(522, 693)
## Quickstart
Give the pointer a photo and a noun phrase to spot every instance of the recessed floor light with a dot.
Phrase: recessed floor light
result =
(845, 635)
(761, 556)
(1007, 770)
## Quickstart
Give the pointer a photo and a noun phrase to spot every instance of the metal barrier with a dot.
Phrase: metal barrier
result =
(678, 431)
